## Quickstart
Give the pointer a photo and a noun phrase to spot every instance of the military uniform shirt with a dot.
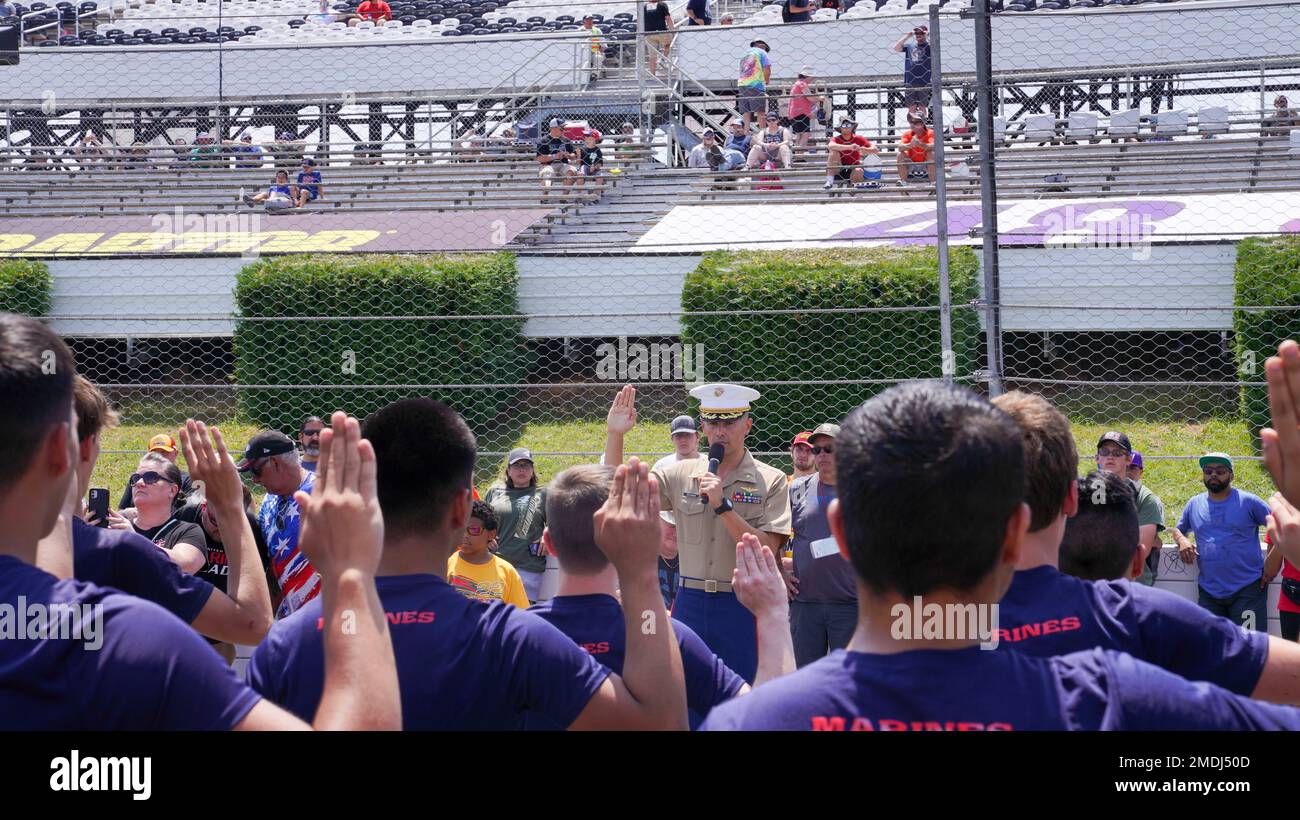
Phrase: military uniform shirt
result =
(757, 491)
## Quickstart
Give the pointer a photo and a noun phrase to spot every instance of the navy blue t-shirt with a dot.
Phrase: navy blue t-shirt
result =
(595, 622)
(116, 663)
(976, 690)
(1046, 612)
(461, 664)
(126, 560)
(916, 64)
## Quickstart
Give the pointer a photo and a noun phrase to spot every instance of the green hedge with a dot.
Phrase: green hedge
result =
(392, 352)
(25, 287)
(810, 346)
(1268, 274)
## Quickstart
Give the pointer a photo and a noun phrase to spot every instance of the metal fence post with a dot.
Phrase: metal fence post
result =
(947, 363)
(988, 195)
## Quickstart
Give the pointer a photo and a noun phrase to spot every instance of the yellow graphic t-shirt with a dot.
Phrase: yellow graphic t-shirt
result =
(495, 580)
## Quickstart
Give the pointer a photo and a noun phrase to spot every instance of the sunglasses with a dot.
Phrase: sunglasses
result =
(313, 433)
(818, 449)
(150, 477)
(256, 469)
(1112, 453)
(472, 530)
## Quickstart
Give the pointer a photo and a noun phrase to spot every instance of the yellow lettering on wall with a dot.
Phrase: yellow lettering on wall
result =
(13, 241)
(134, 242)
(340, 240)
(63, 244)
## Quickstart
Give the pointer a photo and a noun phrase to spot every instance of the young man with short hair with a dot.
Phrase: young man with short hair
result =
(478, 574)
(131, 665)
(473, 665)
(844, 156)
(1100, 542)
(585, 607)
(1115, 455)
(896, 457)
(1046, 612)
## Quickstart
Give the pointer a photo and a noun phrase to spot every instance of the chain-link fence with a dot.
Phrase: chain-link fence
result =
(1102, 217)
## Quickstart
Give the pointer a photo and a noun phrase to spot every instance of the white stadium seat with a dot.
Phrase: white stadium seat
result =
(1171, 123)
(1294, 149)
(1212, 121)
(1082, 125)
(1040, 128)
(999, 129)
(1125, 123)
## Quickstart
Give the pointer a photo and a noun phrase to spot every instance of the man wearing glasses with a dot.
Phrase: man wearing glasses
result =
(272, 460)
(824, 612)
(1115, 455)
(712, 511)
(1232, 582)
(309, 437)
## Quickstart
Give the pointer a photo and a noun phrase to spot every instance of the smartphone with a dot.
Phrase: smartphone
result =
(97, 505)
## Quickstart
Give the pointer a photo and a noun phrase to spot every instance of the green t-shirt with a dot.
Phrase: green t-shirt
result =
(522, 517)
(1150, 511)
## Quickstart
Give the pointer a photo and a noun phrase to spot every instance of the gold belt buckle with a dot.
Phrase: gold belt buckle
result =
(710, 586)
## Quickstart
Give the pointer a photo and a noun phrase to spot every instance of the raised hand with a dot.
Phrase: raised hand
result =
(211, 467)
(622, 412)
(627, 526)
(1282, 441)
(1284, 528)
(342, 526)
(757, 579)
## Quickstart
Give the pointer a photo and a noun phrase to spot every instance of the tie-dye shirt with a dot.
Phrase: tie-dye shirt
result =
(753, 67)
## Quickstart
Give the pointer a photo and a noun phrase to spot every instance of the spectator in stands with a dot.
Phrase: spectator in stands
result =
(590, 160)
(278, 196)
(708, 154)
(727, 19)
(916, 151)
(801, 456)
(180, 150)
(162, 445)
(89, 150)
(324, 15)
(272, 460)
(366, 153)
(136, 156)
(475, 572)
(798, 11)
(1114, 454)
(247, 155)
(1282, 120)
(626, 144)
(309, 188)
(1232, 582)
(916, 69)
(802, 104)
(288, 151)
(595, 52)
(834, 5)
(375, 11)
(7, 9)
(739, 139)
(521, 506)
(206, 153)
(658, 25)
(751, 87)
(156, 494)
(697, 13)
(554, 152)
(773, 144)
(309, 438)
(844, 156)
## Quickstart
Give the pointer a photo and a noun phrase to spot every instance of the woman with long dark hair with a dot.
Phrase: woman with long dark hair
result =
(520, 506)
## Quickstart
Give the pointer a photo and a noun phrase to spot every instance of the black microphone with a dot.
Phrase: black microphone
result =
(716, 452)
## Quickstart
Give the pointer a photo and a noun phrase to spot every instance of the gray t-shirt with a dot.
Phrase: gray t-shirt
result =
(824, 576)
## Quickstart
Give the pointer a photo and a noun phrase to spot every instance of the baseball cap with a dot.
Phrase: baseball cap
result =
(913, 117)
(247, 137)
(801, 438)
(588, 17)
(263, 445)
(772, 115)
(1137, 460)
(825, 429)
(555, 123)
(761, 44)
(1117, 437)
(519, 454)
(683, 424)
(162, 443)
(202, 135)
(921, 30)
(1216, 458)
(308, 161)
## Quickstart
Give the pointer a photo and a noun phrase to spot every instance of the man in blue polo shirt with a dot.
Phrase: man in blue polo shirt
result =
(1091, 525)
(1226, 522)
(942, 455)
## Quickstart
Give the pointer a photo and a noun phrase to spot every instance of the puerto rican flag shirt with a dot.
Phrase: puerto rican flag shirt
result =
(281, 525)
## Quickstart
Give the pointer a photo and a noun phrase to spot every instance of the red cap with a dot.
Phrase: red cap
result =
(802, 438)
